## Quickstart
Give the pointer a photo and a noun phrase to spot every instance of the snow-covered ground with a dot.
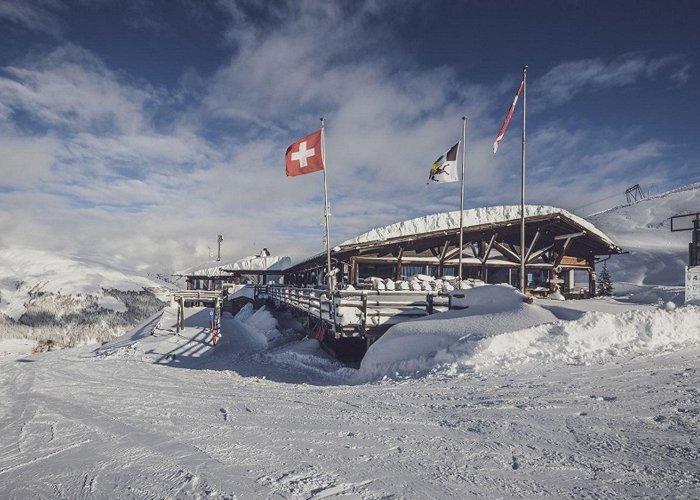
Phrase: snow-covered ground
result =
(157, 414)
(506, 398)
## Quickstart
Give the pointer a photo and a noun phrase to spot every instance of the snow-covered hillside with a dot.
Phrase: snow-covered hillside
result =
(656, 255)
(70, 301)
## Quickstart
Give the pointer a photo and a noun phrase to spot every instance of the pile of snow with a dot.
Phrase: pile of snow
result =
(499, 329)
(237, 291)
(656, 256)
(419, 345)
(261, 325)
(471, 218)
(594, 338)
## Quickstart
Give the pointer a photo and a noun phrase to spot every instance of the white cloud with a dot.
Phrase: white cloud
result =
(71, 88)
(26, 161)
(39, 15)
(564, 81)
(119, 186)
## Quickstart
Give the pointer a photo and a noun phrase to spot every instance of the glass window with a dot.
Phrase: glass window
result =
(408, 270)
(498, 275)
(378, 270)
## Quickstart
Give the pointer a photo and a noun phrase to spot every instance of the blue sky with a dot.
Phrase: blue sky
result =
(136, 131)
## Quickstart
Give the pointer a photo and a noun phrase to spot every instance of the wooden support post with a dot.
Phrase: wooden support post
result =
(353, 271)
(397, 274)
(180, 314)
(591, 276)
(363, 322)
(177, 321)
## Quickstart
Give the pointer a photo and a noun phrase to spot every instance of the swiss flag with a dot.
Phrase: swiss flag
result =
(305, 155)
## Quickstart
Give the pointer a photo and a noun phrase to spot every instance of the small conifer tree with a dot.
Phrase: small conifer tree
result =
(605, 287)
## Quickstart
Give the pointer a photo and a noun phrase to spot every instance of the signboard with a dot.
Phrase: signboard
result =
(692, 283)
(684, 222)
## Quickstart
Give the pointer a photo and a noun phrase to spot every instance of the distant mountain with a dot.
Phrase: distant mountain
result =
(69, 300)
(656, 255)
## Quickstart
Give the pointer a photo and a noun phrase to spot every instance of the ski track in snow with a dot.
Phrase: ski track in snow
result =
(87, 423)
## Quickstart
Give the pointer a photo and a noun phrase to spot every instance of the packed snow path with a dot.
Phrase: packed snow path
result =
(130, 420)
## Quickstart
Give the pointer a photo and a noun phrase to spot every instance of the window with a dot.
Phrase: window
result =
(378, 270)
(408, 270)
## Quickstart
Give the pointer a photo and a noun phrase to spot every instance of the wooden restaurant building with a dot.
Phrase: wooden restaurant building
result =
(560, 254)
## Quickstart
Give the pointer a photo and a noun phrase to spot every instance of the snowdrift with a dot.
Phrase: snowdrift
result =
(418, 345)
(594, 338)
(499, 331)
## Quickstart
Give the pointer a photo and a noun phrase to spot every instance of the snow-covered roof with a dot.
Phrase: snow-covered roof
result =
(472, 217)
(251, 263)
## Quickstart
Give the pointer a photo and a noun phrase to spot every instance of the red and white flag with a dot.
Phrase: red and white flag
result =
(305, 155)
(502, 132)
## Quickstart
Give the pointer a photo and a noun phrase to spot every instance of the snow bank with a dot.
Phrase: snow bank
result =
(499, 332)
(596, 337)
(472, 217)
(417, 345)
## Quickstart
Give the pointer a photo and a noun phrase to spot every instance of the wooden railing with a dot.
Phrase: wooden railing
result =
(351, 313)
(197, 295)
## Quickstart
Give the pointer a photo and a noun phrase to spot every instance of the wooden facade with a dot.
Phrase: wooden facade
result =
(560, 254)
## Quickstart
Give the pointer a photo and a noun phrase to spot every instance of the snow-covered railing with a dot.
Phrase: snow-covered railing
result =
(315, 302)
(351, 313)
(196, 295)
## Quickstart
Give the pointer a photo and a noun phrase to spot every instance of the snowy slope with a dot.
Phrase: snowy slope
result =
(656, 255)
(45, 295)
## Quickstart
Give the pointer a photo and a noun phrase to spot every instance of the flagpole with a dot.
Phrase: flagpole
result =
(523, 284)
(461, 200)
(331, 284)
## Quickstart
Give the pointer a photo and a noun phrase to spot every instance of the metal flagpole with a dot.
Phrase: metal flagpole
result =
(523, 284)
(331, 284)
(461, 200)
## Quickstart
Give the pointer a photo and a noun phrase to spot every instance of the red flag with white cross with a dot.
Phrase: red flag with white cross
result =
(305, 155)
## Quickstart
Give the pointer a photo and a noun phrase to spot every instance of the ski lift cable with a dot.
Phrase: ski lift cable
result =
(596, 201)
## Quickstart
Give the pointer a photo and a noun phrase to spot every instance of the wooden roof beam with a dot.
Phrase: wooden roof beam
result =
(507, 252)
(532, 245)
(568, 238)
(444, 251)
(539, 253)
(488, 249)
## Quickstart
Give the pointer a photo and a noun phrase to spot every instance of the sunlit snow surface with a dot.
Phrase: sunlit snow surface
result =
(163, 414)
(584, 399)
